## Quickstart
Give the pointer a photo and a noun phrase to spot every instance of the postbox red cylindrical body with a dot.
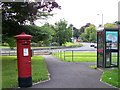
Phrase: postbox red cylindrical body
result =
(24, 60)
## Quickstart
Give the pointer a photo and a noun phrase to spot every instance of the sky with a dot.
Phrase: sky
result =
(80, 12)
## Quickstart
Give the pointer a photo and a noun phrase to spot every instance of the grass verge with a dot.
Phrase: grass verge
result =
(93, 66)
(111, 77)
(69, 44)
(4, 46)
(9, 71)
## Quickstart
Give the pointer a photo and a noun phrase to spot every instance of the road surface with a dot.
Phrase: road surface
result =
(85, 47)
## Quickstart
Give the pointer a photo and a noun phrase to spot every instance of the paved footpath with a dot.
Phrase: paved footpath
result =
(71, 75)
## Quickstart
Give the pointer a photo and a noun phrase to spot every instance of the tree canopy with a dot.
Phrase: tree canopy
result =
(15, 14)
(63, 33)
(20, 12)
(110, 25)
(89, 34)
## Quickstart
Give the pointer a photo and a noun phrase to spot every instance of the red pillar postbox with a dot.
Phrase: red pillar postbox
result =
(24, 60)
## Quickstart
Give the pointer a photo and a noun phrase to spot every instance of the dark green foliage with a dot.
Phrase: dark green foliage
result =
(89, 34)
(76, 32)
(117, 22)
(21, 11)
(15, 14)
(39, 34)
(82, 29)
(63, 33)
(11, 42)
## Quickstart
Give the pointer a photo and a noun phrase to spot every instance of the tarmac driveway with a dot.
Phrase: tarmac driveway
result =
(71, 75)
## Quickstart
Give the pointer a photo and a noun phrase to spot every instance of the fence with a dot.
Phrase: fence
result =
(34, 52)
(8, 52)
(71, 55)
(40, 52)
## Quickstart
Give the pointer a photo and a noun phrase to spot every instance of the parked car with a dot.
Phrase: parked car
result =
(92, 45)
(95, 45)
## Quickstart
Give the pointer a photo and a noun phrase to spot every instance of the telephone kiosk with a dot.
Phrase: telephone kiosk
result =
(108, 47)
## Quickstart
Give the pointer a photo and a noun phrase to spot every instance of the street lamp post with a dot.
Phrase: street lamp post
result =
(72, 35)
(102, 18)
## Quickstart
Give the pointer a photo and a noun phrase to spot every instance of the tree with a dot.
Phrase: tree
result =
(92, 37)
(89, 34)
(20, 12)
(63, 33)
(76, 32)
(117, 22)
(84, 37)
(15, 14)
(110, 25)
(82, 29)
(50, 33)
(68, 34)
(11, 42)
(40, 34)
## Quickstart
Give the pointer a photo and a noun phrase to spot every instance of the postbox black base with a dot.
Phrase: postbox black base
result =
(25, 82)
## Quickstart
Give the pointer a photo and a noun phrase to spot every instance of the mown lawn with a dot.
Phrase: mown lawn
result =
(10, 71)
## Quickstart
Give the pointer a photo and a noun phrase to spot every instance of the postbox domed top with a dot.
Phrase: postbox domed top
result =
(23, 36)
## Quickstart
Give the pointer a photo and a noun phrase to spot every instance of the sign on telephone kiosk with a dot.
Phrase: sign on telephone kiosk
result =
(24, 60)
